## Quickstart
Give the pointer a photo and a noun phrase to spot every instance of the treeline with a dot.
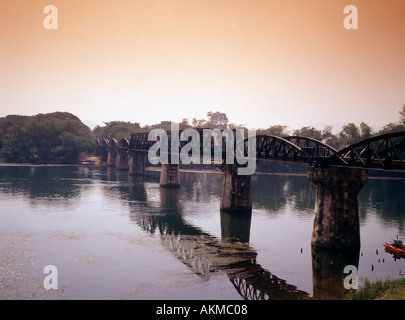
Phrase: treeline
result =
(57, 137)
(122, 129)
(60, 137)
(349, 134)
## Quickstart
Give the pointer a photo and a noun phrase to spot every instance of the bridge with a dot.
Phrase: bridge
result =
(337, 175)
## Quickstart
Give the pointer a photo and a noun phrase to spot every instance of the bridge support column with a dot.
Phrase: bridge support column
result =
(121, 161)
(170, 176)
(112, 154)
(103, 155)
(236, 190)
(136, 163)
(336, 220)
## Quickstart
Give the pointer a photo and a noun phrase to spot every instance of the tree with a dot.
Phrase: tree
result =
(184, 124)
(331, 139)
(217, 120)
(391, 128)
(309, 132)
(276, 130)
(201, 123)
(402, 115)
(350, 134)
(233, 126)
(14, 147)
(395, 126)
(57, 137)
(365, 131)
(327, 133)
(117, 130)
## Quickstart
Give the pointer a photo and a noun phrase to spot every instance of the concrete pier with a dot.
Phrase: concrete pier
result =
(112, 154)
(336, 220)
(103, 155)
(121, 161)
(236, 190)
(170, 176)
(136, 163)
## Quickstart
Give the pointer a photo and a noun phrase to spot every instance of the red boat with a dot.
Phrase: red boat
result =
(396, 247)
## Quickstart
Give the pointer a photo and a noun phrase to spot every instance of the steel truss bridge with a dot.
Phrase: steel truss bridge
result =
(385, 152)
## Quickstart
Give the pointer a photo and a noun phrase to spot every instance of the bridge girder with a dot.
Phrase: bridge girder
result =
(382, 152)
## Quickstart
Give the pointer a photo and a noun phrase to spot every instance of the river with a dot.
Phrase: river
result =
(113, 236)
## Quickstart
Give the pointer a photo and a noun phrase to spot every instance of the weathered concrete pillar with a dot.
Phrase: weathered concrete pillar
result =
(336, 220)
(112, 154)
(121, 160)
(136, 163)
(236, 190)
(103, 154)
(170, 176)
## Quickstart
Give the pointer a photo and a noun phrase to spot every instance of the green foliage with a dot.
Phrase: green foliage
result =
(217, 120)
(165, 125)
(395, 126)
(309, 132)
(184, 124)
(57, 137)
(117, 130)
(371, 291)
(350, 133)
(276, 130)
(402, 115)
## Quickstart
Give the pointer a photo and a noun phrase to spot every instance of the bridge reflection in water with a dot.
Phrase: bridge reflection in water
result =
(206, 255)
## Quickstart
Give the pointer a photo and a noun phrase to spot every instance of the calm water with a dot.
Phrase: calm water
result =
(113, 236)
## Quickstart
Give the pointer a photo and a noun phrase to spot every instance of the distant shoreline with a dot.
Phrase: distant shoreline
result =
(2, 164)
(193, 170)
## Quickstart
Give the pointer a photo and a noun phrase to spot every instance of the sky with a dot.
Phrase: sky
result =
(262, 62)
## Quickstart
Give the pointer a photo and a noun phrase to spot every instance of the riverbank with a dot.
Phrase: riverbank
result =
(93, 161)
(380, 290)
(85, 159)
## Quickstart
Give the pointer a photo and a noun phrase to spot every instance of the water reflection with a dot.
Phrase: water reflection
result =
(53, 186)
(274, 192)
(236, 225)
(386, 196)
(206, 255)
(165, 212)
(202, 253)
(327, 272)
(44, 182)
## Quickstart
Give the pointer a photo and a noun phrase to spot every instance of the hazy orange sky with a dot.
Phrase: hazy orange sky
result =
(262, 62)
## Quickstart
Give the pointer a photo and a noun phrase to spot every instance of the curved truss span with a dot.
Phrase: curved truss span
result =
(312, 147)
(123, 143)
(382, 152)
(275, 148)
